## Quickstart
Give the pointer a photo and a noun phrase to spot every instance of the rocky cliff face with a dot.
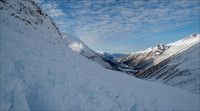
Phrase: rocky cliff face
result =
(30, 13)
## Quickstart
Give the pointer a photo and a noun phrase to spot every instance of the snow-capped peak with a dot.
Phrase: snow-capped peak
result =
(193, 38)
(154, 55)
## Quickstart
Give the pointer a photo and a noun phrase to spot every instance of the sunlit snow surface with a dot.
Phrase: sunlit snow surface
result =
(38, 71)
(80, 47)
(178, 47)
(172, 48)
(181, 65)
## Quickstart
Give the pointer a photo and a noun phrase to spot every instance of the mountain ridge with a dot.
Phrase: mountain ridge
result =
(151, 56)
(180, 70)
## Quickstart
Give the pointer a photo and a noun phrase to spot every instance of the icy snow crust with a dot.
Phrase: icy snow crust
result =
(39, 72)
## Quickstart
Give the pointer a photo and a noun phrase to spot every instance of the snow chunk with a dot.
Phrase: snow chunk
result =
(78, 47)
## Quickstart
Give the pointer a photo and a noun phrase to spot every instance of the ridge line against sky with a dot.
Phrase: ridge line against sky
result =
(124, 25)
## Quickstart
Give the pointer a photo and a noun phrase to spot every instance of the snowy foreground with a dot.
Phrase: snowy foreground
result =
(38, 71)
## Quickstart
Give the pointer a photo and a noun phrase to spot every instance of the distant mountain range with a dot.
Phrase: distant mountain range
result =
(112, 56)
(181, 69)
(107, 60)
(144, 59)
(154, 63)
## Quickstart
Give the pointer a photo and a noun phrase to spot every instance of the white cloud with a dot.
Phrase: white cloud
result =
(53, 10)
(97, 21)
(56, 12)
(49, 6)
(39, 1)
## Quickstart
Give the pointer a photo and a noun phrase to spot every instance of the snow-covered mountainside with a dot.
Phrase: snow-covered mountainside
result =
(104, 59)
(80, 47)
(40, 72)
(180, 70)
(144, 59)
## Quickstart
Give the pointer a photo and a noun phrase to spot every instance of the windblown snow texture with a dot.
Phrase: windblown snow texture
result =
(40, 72)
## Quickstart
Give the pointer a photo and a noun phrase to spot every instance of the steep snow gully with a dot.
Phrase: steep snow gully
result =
(39, 72)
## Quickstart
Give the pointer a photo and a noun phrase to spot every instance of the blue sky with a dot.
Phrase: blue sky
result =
(124, 25)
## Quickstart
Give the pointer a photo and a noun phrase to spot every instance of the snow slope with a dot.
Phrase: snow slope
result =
(144, 59)
(182, 70)
(40, 72)
(80, 47)
(178, 47)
